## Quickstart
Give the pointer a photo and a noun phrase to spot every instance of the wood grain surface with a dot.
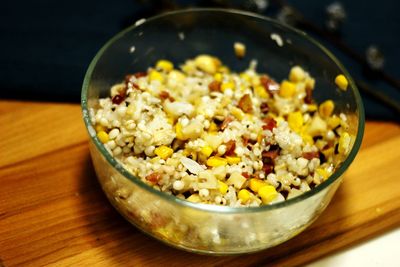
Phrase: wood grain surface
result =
(53, 212)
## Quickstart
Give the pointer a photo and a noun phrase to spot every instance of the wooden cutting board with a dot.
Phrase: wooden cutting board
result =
(53, 212)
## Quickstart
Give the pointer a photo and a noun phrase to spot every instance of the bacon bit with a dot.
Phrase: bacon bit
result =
(270, 123)
(117, 99)
(308, 97)
(245, 103)
(264, 107)
(267, 168)
(230, 148)
(226, 122)
(140, 74)
(245, 140)
(153, 177)
(246, 175)
(165, 95)
(215, 86)
(129, 83)
(310, 155)
(272, 154)
(270, 85)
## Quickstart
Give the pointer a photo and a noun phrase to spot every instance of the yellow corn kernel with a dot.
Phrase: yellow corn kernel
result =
(156, 76)
(224, 69)
(216, 161)
(328, 152)
(178, 131)
(237, 113)
(260, 91)
(240, 49)
(344, 143)
(222, 187)
(267, 193)
(333, 121)
(297, 74)
(194, 198)
(260, 138)
(218, 77)
(233, 160)
(170, 120)
(163, 152)
(326, 108)
(287, 90)
(312, 108)
(227, 85)
(255, 81)
(213, 127)
(295, 121)
(245, 76)
(103, 137)
(310, 83)
(206, 151)
(207, 63)
(156, 159)
(164, 65)
(323, 173)
(307, 138)
(256, 184)
(99, 128)
(244, 195)
(341, 82)
(130, 109)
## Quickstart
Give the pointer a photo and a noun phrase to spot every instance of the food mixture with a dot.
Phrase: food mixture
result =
(209, 135)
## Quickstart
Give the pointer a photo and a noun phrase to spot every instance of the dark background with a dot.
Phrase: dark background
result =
(47, 45)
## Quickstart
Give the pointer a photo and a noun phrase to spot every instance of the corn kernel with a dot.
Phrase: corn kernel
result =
(244, 195)
(103, 137)
(224, 69)
(237, 113)
(130, 109)
(312, 108)
(267, 193)
(297, 74)
(240, 49)
(170, 120)
(216, 161)
(307, 138)
(287, 90)
(156, 76)
(99, 128)
(260, 91)
(233, 160)
(344, 143)
(213, 127)
(256, 184)
(206, 151)
(178, 131)
(227, 85)
(328, 152)
(194, 198)
(222, 187)
(218, 77)
(295, 120)
(164, 65)
(245, 76)
(323, 173)
(341, 82)
(333, 122)
(326, 108)
(163, 152)
(207, 63)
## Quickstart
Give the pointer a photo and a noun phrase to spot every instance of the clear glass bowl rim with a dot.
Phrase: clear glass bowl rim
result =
(208, 207)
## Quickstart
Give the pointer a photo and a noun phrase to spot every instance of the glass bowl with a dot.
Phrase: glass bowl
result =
(178, 36)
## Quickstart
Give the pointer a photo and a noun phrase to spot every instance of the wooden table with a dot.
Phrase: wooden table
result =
(53, 212)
